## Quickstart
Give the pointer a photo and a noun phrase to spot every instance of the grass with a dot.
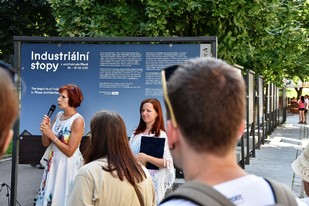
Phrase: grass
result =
(10, 148)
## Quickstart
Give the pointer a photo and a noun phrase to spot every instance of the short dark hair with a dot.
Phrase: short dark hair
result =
(208, 99)
(75, 94)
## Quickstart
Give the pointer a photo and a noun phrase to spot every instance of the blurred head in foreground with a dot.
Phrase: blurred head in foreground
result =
(8, 109)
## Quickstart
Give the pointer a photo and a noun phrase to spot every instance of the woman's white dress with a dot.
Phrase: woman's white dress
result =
(61, 170)
(163, 178)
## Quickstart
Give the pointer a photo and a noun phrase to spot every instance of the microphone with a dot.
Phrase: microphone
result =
(51, 110)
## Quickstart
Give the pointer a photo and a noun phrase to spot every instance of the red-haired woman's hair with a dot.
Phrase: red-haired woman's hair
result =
(158, 124)
(75, 94)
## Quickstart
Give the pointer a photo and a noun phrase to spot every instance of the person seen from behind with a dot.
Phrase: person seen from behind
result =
(301, 168)
(203, 138)
(111, 175)
(8, 110)
(151, 124)
(64, 134)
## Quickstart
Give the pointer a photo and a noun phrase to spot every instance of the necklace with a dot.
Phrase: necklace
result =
(65, 117)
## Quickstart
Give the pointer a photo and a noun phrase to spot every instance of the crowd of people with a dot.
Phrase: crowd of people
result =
(197, 138)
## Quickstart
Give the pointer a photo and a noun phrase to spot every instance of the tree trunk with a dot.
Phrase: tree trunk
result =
(299, 92)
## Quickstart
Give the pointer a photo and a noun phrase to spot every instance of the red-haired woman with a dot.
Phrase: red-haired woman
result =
(65, 134)
(151, 124)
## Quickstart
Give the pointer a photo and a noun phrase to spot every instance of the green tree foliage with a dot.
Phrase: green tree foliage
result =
(287, 42)
(23, 18)
(267, 36)
(98, 18)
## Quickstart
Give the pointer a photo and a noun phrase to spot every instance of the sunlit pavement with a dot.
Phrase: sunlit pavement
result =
(281, 148)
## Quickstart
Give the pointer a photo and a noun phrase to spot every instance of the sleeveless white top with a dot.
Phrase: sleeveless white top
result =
(61, 170)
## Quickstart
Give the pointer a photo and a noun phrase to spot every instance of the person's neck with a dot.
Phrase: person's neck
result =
(69, 112)
(211, 169)
(147, 131)
(148, 128)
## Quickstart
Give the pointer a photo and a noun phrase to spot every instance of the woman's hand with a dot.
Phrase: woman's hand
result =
(46, 130)
(46, 120)
(142, 157)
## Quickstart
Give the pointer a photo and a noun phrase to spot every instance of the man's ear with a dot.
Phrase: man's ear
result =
(306, 187)
(6, 142)
(172, 134)
(241, 129)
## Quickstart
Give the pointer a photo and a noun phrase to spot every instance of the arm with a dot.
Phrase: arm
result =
(77, 131)
(144, 158)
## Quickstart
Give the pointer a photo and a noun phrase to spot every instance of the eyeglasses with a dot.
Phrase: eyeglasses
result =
(166, 74)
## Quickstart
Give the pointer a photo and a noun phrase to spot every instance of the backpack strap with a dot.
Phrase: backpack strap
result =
(200, 194)
(282, 194)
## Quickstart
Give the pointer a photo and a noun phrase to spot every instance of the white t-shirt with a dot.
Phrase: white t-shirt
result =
(244, 191)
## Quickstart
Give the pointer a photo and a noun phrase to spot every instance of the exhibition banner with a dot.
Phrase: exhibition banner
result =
(113, 77)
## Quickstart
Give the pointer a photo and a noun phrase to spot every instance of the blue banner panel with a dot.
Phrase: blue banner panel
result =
(112, 76)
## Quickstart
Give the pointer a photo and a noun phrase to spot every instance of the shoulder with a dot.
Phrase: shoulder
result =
(135, 137)
(92, 168)
(163, 134)
(282, 192)
(79, 116)
(178, 202)
(133, 134)
(243, 183)
(78, 120)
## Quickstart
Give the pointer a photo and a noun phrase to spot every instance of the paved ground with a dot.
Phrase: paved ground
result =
(275, 157)
(273, 160)
(28, 182)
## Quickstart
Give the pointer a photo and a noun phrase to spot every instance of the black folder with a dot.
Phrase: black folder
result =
(153, 146)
